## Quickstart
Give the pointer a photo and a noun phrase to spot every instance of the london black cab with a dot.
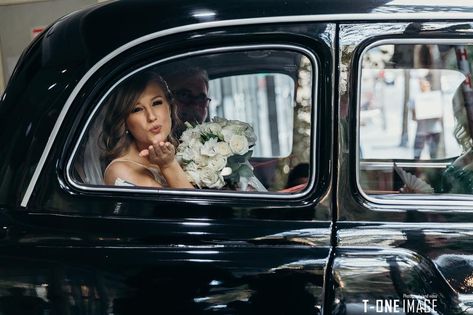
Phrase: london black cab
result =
(324, 164)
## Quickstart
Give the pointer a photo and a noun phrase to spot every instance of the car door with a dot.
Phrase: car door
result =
(75, 246)
(404, 220)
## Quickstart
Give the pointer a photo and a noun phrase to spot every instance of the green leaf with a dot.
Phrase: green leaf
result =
(207, 136)
(245, 171)
(248, 154)
(232, 180)
(235, 159)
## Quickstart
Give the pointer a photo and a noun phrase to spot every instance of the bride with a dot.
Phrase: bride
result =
(137, 135)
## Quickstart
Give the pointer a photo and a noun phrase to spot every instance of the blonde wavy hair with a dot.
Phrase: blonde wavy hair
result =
(114, 139)
(461, 131)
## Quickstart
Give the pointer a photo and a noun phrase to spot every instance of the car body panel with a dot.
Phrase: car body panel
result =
(325, 251)
(67, 250)
(397, 250)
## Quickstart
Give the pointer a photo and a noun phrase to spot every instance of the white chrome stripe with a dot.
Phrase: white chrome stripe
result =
(390, 164)
(195, 192)
(201, 26)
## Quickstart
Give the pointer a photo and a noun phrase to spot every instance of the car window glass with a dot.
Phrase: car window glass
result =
(273, 93)
(237, 121)
(415, 121)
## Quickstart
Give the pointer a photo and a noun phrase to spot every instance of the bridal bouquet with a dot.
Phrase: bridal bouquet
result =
(215, 154)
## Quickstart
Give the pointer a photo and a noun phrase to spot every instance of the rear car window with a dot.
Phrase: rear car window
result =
(415, 111)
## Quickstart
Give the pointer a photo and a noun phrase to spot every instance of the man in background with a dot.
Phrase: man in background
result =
(190, 87)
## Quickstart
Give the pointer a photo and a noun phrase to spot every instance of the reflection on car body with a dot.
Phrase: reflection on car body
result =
(320, 205)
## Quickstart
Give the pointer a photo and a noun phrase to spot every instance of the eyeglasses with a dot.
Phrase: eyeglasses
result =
(186, 97)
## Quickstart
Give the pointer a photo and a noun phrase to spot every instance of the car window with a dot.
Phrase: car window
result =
(233, 121)
(414, 119)
(254, 98)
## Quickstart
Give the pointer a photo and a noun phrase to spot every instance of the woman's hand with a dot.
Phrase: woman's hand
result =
(162, 154)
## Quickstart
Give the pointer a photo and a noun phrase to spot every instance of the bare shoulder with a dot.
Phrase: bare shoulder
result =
(129, 172)
(118, 169)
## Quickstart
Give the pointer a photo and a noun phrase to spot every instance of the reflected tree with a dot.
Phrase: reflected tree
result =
(302, 125)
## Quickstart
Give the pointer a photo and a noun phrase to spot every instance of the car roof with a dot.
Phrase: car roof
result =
(98, 30)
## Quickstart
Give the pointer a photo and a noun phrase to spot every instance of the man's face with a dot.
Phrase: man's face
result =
(191, 97)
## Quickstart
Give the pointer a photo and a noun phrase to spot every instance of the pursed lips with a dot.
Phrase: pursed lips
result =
(155, 129)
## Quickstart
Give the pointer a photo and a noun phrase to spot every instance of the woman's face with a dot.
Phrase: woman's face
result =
(150, 118)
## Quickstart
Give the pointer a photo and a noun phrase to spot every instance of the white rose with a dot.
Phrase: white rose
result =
(229, 131)
(195, 143)
(187, 135)
(222, 148)
(208, 148)
(239, 124)
(201, 160)
(250, 135)
(212, 128)
(211, 179)
(194, 177)
(197, 129)
(226, 171)
(189, 151)
(188, 154)
(220, 120)
(217, 163)
(239, 144)
(191, 166)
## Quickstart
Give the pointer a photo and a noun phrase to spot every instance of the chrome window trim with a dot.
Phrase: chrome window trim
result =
(441, 200)
(197, 192)
(404, 164)
(327, 18)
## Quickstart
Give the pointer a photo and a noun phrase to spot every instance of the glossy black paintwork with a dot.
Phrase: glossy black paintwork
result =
(376, 274)
(297, 35)
(132, 254)
(194, 266)
(420, 250)
(354, 38)
(140, 279)
(127, 254)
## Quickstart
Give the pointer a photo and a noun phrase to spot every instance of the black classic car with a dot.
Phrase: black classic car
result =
(358, 197)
